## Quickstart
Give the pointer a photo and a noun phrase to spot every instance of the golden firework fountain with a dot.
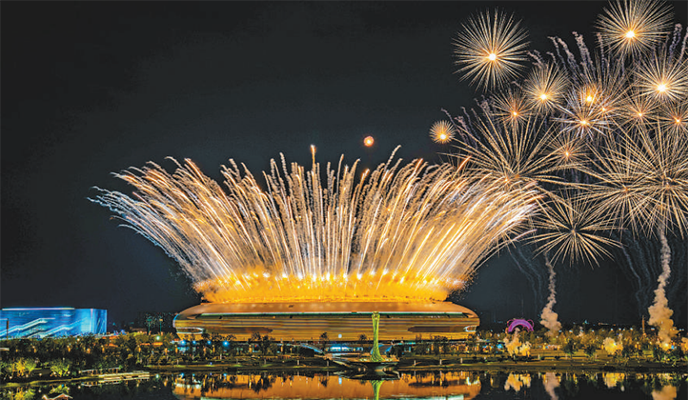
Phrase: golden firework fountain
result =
(396, 240)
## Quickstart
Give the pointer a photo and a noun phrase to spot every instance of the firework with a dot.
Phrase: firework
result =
(621, 125)
(512, 154)
(545, 87)
(663, 78)
(410, 233)
(511, 107)
(674, 118)
(642, 177)
(442, 132)
(490, 48)
(629, 27)
(638, 110)
(567, 229)
(608, 126)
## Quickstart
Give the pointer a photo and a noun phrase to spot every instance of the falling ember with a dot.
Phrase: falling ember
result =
(403, 233)
(368, 141)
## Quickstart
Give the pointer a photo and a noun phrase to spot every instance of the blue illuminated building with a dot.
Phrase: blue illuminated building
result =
(49, 322)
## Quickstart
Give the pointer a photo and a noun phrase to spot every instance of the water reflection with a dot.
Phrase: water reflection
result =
(655, 386)
(517, 381)
(666, 393)
(551, 381)
(445, 384)
(462, 385)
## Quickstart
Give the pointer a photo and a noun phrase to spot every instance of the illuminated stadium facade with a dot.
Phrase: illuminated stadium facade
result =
(50, 322)
(342, 321)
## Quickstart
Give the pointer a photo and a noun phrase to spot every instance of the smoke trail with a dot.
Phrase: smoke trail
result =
(549, 317)
(660, 313)
(550, 382)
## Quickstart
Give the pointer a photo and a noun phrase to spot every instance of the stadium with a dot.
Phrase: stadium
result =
(342, 321)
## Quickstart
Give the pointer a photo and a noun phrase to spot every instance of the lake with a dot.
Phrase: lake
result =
(454, 385)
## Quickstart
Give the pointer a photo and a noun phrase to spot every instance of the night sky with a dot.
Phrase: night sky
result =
(90, 88)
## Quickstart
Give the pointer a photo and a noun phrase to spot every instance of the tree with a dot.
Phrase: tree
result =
(569, 347)
(5, 369)
(323, 340)
(255, 338)
(30, 366)
(60, 367)
(264, 344)
(20, 366)
(23, 394)
(590, 349)
(230, 342)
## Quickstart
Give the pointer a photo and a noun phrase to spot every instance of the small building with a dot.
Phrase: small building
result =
(51, 321)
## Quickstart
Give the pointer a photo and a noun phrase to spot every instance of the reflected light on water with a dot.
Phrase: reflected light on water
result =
(455, 385)
(427, 385)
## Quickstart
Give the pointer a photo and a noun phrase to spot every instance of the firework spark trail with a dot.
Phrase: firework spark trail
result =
(549, 317)
(638, 282)
(676, 289)
(413, 232)
(660, 313)
(527, 265)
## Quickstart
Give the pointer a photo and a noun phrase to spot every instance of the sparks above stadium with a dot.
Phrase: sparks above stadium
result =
(412, 233)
